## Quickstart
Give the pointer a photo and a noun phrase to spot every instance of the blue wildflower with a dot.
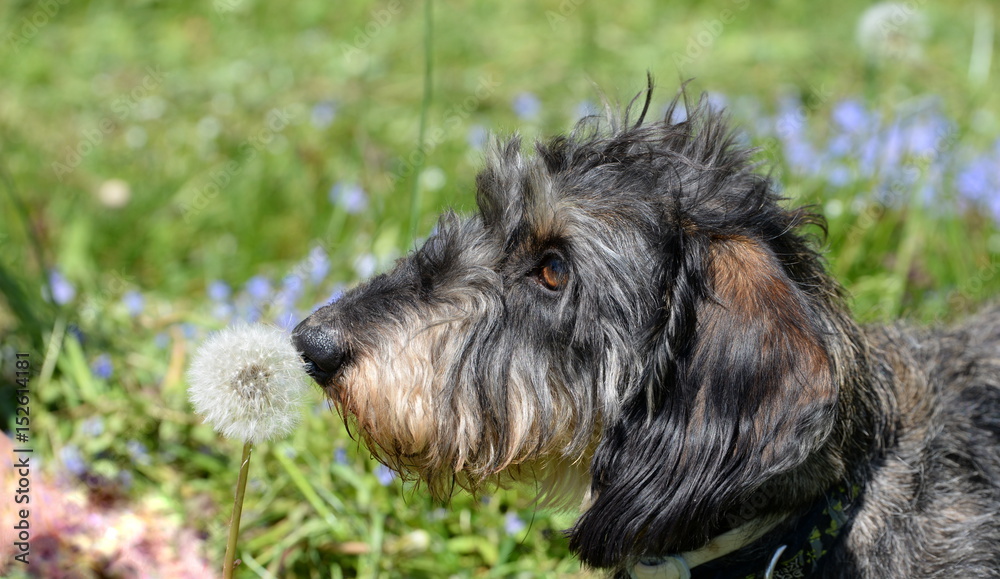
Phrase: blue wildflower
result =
(513, 523)
(223, 311)
(253, 315)
(801, 155)
(892, 148)
(979, 182)
(134, 302)
(63, 292)
(365, 265)
(932, 183)
(258, 287)
(72, 459)
(288, 295)
(219, 291)
(102, 367)
(93, 426)
(851, 117)
(292, 285)
(925, 136)
(586, 109)
(323, 114)
(319, 265)
(384, 474)
(75, 331)
(137, 452)
(897, 187)
(476, 136)
(717, 101)
(868, 160)
(189, 330)
(527, 106)
(839, 176)
(789, 129)
(742, 139)
(349, 196)
(679, 115)
(975, 180)
(340, 456)
(840, 146)
(287, 321)
(994, 206)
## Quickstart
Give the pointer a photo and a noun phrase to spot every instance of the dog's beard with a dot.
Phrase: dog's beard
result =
(447, 402)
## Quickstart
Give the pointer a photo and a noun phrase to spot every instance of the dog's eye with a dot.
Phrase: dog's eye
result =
(553, 273)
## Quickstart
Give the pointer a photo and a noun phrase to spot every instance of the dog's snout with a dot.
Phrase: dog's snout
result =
(322, 350)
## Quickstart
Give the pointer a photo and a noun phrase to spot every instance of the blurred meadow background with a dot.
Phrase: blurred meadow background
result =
(168, 168)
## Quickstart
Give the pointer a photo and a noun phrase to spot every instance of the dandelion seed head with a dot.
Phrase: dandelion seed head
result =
(892, 31)
(247, 382)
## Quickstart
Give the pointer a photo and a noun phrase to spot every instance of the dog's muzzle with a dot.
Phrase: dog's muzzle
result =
(322, 350)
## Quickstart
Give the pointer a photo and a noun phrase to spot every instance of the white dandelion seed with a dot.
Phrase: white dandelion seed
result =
(247, 382)
(891, 31)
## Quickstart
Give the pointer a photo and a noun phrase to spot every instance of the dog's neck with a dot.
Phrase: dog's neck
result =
(798, 549)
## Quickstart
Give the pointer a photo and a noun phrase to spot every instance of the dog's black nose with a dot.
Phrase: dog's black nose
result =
(322, 350)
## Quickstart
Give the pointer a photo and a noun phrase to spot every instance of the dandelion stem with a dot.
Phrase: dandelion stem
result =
(234, 525)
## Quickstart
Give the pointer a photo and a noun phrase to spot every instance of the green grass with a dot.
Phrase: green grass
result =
(210, 118)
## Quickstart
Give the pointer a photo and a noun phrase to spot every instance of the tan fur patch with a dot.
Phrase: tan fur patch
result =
(750, 285)
(756, 301)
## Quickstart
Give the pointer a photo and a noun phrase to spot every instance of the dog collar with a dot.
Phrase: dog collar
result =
(815, 533)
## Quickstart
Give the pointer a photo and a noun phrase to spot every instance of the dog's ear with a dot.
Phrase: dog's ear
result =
(738, 388)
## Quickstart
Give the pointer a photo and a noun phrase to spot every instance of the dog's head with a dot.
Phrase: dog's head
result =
(631, 308)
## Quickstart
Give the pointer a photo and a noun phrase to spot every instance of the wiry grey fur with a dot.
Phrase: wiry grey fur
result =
(692, 368)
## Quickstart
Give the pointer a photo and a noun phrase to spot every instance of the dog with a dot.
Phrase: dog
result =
(635, 322)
